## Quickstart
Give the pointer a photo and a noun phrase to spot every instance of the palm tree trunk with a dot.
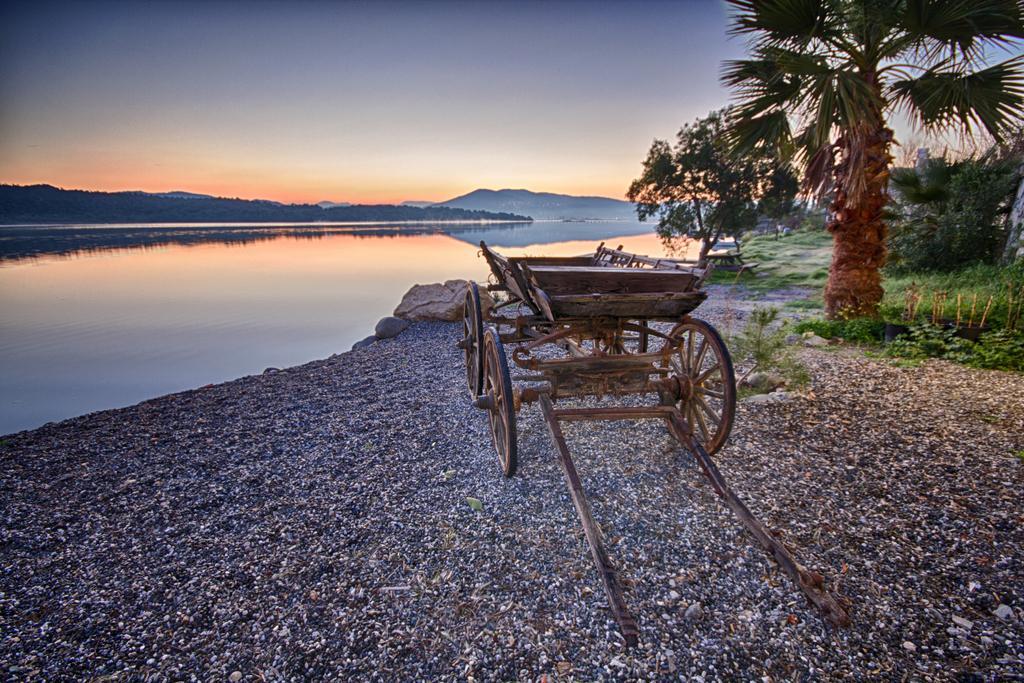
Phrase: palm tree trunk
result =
(858, 230)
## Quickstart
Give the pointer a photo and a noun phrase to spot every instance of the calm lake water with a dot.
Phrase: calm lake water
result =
(96, 317)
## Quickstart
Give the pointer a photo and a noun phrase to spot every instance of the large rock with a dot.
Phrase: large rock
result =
(390, 327)
(814, 340)
(438, 301)
(765, 381)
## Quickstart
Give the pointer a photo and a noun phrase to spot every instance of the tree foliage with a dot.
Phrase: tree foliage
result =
(821, 70)
(46, 204)
(697, 189)
(823, 78)
(949, 215)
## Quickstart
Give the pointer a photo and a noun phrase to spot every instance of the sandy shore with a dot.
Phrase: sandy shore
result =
(312, 523)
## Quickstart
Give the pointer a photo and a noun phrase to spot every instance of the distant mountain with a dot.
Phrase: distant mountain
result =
(179, 194)
(332, 205)
(544, 205)
(413, 202)
(34, 204)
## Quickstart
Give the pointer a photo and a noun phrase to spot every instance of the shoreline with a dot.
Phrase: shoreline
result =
(313, 522)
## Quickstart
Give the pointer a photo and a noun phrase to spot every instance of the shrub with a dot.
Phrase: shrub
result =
(861, 330)
(764, 343)
(950, 215)
(812, 222)
(998, 350)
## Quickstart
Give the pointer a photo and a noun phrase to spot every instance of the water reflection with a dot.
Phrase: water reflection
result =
(113, 327)
(28, 242)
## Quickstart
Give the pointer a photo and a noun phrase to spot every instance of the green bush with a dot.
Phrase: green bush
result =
(950, 215)
(997, 350)
(861, 330)
(812, 222)
(764, 343)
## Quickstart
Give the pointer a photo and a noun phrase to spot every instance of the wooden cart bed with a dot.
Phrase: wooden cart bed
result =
(608, 282)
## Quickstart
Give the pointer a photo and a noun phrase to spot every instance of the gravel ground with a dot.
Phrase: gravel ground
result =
(313, 523)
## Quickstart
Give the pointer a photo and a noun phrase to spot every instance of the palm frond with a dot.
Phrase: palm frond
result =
(760, 79)
(964, 25)
(769, 131)
(784, 23)
(927, 185)
(992, 97)
(818, 170)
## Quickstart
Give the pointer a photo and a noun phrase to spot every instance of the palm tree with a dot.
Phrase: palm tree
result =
(824, 75)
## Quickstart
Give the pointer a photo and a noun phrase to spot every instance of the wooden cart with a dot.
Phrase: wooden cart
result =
(613, 324)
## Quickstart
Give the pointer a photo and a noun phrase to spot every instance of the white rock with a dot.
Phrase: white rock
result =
(235, 676)
(909, 646)
(964, 623)
(815, 340)
(438, 301)
(1003, 611)
(765, 380)
(774, 397)
(694, 612)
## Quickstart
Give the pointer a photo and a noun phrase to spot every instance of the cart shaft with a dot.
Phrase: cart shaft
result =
(609, 576)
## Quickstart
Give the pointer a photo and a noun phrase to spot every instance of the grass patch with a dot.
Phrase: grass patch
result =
(800, 259)
(860, 330)
(811, 303)
(975, 283)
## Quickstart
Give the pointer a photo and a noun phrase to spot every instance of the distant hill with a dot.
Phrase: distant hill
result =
(34, 204)
(544, 205)
(415, 202)
(332, 205)
(179, 194)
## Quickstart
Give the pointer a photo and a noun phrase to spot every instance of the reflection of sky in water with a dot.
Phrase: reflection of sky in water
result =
(111, 328)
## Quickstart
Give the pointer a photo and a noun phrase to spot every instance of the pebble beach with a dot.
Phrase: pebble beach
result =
(314, 523)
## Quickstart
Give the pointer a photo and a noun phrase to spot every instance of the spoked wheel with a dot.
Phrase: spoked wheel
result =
(496, 397)
(472, 335)
(706, 385)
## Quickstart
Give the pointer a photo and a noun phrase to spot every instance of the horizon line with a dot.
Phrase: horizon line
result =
(302, 203)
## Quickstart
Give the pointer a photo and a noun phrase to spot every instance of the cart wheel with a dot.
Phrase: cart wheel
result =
(472, 334)
(707, 385)
(496, 397)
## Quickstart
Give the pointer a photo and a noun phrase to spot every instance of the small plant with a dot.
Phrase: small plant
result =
(927, 341)
(863, 330)
(1020, 455)
(996, 350)
(763, 342)
(826, 329)
(911, 300)
(860, 330)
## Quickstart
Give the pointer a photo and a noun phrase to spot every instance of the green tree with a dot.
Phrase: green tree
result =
(697, 189)
(824, 76)
(948, 215)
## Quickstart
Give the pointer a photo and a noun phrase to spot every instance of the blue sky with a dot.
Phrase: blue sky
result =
(363, 102)
(350, 101)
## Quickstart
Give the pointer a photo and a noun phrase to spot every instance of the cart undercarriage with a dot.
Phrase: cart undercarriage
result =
(596, 327)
